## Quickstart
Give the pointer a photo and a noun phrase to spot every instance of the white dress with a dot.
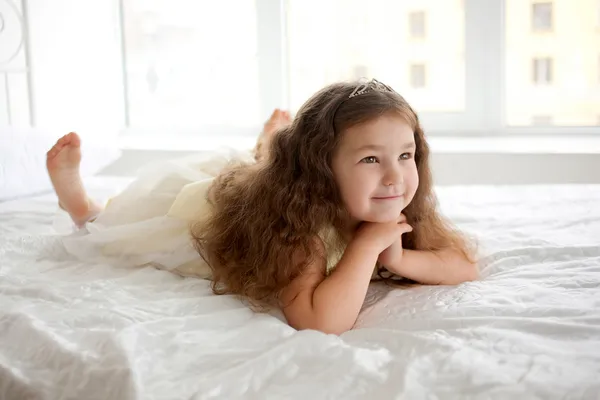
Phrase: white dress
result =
(148, 223)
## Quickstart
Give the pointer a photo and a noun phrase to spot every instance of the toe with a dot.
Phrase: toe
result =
(67, 138)
(277, 114)
(75, 140)
(50, 157)
(54, 150)
(60, 144)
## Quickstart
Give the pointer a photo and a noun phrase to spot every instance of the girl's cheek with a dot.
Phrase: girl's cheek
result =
(414, 178)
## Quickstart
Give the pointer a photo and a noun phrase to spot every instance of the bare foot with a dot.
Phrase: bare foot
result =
(278, 120)
(62, 162)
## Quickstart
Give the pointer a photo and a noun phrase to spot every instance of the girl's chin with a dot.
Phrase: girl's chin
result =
(382, 219)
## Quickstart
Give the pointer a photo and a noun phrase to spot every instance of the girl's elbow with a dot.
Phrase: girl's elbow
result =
(470, 272)
(327, 328)
(466, 272)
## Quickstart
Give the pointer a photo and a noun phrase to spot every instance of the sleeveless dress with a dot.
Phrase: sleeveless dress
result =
(148, 223)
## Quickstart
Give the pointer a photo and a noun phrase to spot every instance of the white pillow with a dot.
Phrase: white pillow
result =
(23, 159)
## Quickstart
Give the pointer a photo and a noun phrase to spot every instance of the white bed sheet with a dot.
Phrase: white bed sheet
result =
(530, 328)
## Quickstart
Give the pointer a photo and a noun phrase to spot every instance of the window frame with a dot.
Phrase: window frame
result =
(484, 114)
(542, 120)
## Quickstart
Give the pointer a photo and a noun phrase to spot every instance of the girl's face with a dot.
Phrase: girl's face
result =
(375, 170)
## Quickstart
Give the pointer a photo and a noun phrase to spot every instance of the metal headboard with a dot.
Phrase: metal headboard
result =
(15, 72)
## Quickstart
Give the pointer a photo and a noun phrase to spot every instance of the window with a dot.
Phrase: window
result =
(416, 21)
(190, 63)
(542, 120)
(327, 39)
(542, 71)
(181, 65)
(278, 53)
(541, 17)
(417, 75)
(360, 71)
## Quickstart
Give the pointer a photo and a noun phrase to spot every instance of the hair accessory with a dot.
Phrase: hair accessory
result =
(369, 86)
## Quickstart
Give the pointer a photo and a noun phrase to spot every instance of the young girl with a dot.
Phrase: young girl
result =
(341, 192)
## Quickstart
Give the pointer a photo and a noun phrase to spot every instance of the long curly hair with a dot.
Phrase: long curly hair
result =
(265, 215)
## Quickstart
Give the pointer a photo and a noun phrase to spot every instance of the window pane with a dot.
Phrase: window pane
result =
(552, 74)
(564, 82)
(191, 63)
(331, 40)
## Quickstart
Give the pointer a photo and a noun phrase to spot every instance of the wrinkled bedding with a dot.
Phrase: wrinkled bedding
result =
(529, 328)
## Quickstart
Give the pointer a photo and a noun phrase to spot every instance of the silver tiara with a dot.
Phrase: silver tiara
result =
(368, 86)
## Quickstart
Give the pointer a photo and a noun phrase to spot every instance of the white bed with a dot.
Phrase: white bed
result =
(529, 329)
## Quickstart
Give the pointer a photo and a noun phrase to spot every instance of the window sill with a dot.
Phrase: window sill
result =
(437, 144)
(516, 145)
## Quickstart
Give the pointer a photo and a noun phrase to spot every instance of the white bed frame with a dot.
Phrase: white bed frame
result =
(15, 73)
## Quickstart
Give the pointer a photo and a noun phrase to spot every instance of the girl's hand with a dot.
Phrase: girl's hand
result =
(381, 236)
(395, 251)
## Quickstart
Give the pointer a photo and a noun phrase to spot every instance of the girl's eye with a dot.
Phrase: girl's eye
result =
(405, 156)
(369, 160)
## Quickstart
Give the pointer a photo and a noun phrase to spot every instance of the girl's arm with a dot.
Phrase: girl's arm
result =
(443, 267)
(331, 304)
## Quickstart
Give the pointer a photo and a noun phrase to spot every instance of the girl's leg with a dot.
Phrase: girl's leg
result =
(64, 157)
(62, 162)
(278, 120)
